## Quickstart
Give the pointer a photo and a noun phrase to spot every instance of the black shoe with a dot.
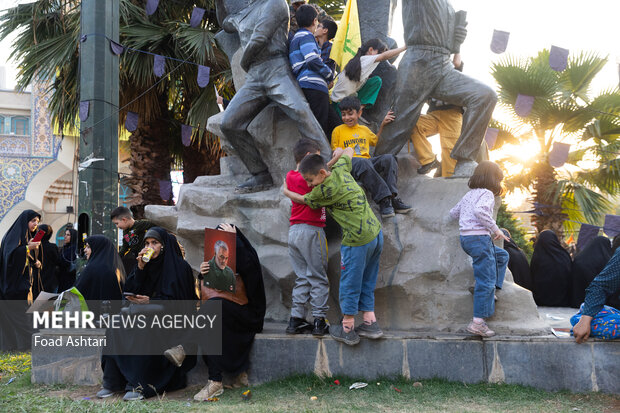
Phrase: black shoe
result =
(320, 327)
(385, 207)
(256, 183)
(424, 169)
(399, 206)
(298, 325)
(337, 333)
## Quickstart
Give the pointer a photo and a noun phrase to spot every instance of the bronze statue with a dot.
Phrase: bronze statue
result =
(433, 31)
(262, 26)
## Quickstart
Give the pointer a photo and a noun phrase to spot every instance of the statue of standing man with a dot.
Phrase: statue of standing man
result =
(432, 33)
(262, 26)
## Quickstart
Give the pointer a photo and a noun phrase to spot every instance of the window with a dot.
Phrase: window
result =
(20, 126)
(1, 125)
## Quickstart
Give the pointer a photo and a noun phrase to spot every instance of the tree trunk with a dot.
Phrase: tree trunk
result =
(547, 202)
(202, 158)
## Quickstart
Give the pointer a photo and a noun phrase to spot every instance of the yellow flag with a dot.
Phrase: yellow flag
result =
(348, 37)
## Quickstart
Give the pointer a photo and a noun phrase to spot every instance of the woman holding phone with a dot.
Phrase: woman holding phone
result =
(19, 279)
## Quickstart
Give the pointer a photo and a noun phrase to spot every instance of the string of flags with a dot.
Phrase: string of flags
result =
(611, 228)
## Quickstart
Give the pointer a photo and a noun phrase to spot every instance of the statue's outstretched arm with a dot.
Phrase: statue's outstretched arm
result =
(275, 16)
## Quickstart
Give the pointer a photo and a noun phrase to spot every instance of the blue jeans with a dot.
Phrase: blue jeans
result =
(489, 270)
(358, 276)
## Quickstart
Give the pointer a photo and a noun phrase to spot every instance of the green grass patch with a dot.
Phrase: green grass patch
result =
(295, 394)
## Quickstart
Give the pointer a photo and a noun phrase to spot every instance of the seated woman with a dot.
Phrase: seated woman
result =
(166, 276)
(242, 318)
(550, 269)
(517, 263)
(587, 264)
(103, 276)
(20, 281)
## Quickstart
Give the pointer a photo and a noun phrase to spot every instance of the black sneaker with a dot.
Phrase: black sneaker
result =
(298, 325)
(337, 333)
(320, 327)
(399, 206)
(424, 169)
(385, 208)
(256, 183)
(369, 330)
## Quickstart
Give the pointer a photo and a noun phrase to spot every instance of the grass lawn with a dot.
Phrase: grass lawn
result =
(295, 395)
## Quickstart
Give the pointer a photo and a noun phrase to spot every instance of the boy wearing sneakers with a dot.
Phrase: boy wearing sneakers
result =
(377, 174)
(307, 247)
(362, 239)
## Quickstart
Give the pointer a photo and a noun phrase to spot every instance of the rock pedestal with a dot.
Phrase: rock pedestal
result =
(424, 275)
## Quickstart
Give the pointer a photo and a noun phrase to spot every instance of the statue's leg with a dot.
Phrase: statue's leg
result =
(418, 74)
(282, 88)
(479, 101)
(242, 109)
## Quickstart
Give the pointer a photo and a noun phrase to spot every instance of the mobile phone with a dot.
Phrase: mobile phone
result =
(39, 236)
(129, 294)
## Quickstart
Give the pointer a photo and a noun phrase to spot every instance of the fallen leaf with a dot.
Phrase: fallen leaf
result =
(398, 390)
(314, 398)
(337, 382)
(417, 384)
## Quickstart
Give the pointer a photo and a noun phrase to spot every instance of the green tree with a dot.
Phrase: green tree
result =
(47, 48)
(517, 233)
(565, 111)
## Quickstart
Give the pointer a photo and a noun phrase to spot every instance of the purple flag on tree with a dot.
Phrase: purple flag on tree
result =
(131, 122)
(197, 15)
(151, 6)
(586, 233)
(558, 154)
(203, 75)
(165, 190)
(491, 137)
(612, 225)
(523, 105)
(499, 41)
(117, 48)
(84, 105)
(558, 58)
(159, 65)
(186, 134)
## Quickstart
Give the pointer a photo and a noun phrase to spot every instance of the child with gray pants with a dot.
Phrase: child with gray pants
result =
(307, 247)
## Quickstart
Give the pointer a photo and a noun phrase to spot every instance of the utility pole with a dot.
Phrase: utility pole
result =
(98, 183)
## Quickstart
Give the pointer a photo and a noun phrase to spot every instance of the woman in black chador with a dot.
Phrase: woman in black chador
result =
(103, 276)
(550, 269)
(587, 264)
(51, 263)
(240, 322)
(20, 280)
(167, 276)
(517, 263)
(66, 277)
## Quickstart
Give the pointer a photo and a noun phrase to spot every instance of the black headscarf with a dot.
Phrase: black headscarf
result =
(50, 260)
(518, 265)
(165, 277)
(104, 275)
(587, 264)
(249, 317)
(13, 257)
(69, 251)
(550, 269)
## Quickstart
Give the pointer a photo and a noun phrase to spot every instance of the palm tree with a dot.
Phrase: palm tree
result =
(47, 47)
(563, 111)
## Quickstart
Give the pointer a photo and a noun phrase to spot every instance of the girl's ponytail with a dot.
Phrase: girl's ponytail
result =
(353, 69)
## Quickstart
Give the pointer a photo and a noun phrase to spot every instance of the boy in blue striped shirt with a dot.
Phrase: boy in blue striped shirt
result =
(312, 74)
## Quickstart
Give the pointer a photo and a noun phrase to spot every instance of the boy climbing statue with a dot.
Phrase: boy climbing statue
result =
(262, 26)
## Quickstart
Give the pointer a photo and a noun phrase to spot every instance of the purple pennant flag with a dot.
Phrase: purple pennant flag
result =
(203, 75)
(558, 58)
(499, 41)
(186, 134)
(586, 233)
(491, 137)
(117, 48)
(523, 105)
(612, 225)
(165, 190)
(197, 15)
(151, 6)
(84, 105)
(159, 65)
(131, 122)
(558, 154)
